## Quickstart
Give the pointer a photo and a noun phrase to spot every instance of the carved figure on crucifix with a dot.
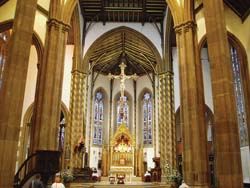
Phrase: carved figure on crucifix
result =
(123, 77)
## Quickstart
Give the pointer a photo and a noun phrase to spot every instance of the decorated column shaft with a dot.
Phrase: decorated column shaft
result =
(228, 170)
(167, 120)
(194, 139)
(13, 88)
(78, 87)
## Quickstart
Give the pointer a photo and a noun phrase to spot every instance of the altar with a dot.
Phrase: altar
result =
(122, 154)
(127, 171)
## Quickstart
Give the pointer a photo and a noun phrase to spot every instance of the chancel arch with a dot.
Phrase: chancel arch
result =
(122, 61)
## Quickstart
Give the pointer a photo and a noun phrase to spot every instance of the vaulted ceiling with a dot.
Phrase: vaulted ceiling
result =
(120, 46)
(138, 56)
(140, 59)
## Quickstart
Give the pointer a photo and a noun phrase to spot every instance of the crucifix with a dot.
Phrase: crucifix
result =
(122, 78)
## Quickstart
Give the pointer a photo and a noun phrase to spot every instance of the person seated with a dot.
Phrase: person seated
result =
(37, 183)
(147, 177)
(57, 183)
(95, 176)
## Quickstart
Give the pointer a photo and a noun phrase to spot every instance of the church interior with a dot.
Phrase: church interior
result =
(144, 93)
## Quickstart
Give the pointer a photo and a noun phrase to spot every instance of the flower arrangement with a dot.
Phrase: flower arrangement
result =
(80, 146)
(67, 176)
(173, 175)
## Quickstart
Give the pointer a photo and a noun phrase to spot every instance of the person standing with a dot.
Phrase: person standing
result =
(37, 183)
(57, 183)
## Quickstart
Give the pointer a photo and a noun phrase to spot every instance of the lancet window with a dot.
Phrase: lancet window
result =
(147, 119)
(240, 102)
(122, 111)
(98, 119)
(61, 133)
(4, 36)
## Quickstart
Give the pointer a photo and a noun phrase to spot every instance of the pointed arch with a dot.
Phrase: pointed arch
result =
(68, 11)
(26, 130)
(240, 58)
(77, 63)
(188, 10)
(115, 31)
(36, 40)
(175, 10)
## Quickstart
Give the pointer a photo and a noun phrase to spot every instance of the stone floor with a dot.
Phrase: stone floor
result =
(135, 183)
(106, 184)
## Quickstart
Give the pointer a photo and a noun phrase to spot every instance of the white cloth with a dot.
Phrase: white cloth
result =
(183, 185)
(57, 185)
(147, 174)
(95, 174)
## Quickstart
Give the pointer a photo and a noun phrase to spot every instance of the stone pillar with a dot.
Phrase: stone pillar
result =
(167, 120)
(195, 162)
(104, 161)
(78, 87)
(48, 96)
(226, 135)
(13, 88)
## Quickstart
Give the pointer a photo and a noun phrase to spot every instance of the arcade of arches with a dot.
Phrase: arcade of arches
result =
(132, 81)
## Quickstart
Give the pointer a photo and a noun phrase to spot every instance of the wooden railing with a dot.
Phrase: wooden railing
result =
(44, 162)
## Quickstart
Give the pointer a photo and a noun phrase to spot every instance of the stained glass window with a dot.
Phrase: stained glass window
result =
(122, 112)
(241, 111)
(147, 119)
(3, 52)
(61, 135)
(98, 119)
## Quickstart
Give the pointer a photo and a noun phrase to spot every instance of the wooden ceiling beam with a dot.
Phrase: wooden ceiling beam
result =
(138, 50)
(145, 66)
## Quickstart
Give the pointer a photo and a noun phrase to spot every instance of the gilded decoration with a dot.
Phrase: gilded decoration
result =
(121, 134)
(122, 148)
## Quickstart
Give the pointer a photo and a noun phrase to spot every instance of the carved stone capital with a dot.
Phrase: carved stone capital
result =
(58, 25)
(185, 27)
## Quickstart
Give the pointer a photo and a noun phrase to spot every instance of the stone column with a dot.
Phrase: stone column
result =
(195, 163)
(226, 135)
(77, 127)
(48, 96)
(78, 87)
(13, 88)
(167, 120)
